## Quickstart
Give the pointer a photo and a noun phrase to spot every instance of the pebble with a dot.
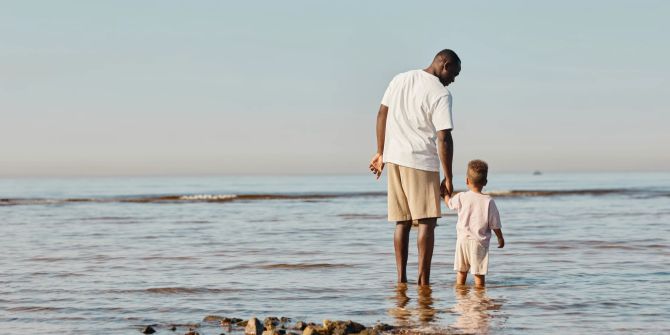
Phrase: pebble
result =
(254, 327)
(277, 326)
(148, 330)
(300, 325)
(213, 318)
(271, 322)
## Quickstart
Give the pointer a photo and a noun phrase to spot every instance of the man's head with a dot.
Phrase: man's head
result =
(478, 171)
(446, 66)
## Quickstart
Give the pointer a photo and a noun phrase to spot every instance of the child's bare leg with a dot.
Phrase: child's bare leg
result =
(480, 280)
(461, 277)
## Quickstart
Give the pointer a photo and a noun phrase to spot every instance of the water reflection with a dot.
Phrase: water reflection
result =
(404, 313)
(400, 312)
(473, 307)
(424, 303)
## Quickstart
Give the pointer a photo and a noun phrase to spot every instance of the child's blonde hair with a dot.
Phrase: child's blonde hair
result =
(478, 170)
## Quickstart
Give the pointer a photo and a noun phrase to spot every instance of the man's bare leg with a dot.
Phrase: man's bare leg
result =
(425, 241)
(401, 244)
(461, 277)
(480, 280)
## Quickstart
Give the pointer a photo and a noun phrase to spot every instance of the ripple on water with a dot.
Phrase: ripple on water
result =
(305, 266)
(174, 290)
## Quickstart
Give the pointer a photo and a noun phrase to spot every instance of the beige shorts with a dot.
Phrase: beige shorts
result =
(470, 255)
(412, 194)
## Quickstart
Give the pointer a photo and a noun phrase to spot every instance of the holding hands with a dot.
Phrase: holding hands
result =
(446, 190)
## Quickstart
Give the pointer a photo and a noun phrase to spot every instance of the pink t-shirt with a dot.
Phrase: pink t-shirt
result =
(477, 215)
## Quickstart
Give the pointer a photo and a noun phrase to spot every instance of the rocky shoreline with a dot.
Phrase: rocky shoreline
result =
(278, 326)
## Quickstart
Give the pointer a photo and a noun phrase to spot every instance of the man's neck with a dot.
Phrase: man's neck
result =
(430, 70)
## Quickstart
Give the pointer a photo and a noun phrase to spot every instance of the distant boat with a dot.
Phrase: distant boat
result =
(536, 173)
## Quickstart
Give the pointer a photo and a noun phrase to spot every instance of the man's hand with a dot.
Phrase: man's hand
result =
(377, 165)
(501, 239)
(446, 188)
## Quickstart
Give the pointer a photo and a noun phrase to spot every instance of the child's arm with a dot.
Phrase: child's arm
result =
(501, 239)
(447, 197)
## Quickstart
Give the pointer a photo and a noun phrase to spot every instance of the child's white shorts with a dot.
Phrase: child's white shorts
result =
(472, 256)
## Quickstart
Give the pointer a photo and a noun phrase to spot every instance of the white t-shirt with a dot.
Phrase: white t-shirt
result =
(419, 105)
(477, 215)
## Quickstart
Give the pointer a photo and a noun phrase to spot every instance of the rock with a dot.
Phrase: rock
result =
(213, 318)
(173, 328)
(242, 323)
(275, 332)
(271, 322)
(192, 332)
(382, 327)
(254, 327)
(222, 320)
(148, 330)
(315, 330)
(354, 327)
(227, 322)
(342, 327)
(300, 325)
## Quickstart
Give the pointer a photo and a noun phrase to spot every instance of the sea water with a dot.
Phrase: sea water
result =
(585, 253)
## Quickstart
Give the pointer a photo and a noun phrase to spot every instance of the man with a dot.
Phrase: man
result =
(414, 138)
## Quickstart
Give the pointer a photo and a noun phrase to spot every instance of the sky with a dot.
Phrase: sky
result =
(293, 87)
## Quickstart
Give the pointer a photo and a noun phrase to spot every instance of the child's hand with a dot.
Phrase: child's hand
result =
(501, 243)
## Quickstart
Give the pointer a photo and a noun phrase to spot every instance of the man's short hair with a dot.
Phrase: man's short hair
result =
(449, 55)
(478, 171)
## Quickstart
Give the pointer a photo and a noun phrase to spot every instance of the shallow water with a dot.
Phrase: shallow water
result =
(107, 255)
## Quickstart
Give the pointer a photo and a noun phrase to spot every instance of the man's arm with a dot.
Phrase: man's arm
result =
(501, 239)
(445, 149)
(377, 162)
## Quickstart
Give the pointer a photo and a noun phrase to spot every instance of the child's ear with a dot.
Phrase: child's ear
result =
(467, 181)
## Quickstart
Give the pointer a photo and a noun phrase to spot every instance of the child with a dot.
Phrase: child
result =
(477, 216)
